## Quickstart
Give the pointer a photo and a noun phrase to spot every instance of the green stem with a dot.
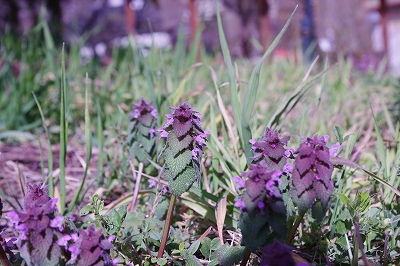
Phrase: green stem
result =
(3, 257)
(293, 230)
(167, 226)
(246, 257)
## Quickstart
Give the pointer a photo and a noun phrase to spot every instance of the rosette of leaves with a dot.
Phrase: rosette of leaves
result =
(37, 237)
(185, 139)
(270, 148)
(263, 216)
(141, 131)
(311, 176)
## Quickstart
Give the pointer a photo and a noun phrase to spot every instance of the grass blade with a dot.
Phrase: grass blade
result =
(88, 141)
(231, 74)
(63, 133)
(252, 88)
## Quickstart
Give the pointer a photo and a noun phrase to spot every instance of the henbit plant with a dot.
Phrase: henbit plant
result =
(185, 139)
(142, 132)
(44, 239)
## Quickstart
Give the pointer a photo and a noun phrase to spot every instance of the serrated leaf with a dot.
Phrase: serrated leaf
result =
(162, 261)
(215, 244)
(181, 183)
(205, 248)
(176, 145)
(194, 247)
(229, 256)
(190, 259)
(255, 230)
(176, 164)
(86, 210)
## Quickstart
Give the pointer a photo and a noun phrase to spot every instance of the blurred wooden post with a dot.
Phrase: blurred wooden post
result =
(307, 32)
(383, 12)
(194, 20)
(264, 24)
(130, 18)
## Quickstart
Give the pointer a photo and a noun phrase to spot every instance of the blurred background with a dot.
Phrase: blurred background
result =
(366, 31)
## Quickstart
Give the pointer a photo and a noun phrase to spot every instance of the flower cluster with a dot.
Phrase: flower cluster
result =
(262, 206)
(312, 173)
(43, 239)
(185, 139)
(89, 247)
(271, 149)
(262, 189)
(37, 237)
(141, 131)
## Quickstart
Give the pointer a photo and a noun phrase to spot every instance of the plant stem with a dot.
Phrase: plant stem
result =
(3, 257)
(137, 186)
(293, 230)
(167, 226)
(246, 257)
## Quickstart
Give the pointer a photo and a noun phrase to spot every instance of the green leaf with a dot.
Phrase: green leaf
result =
(341, 228)
(181, 183)
(205, 248)
(86, 210)
(344, 199)
(194, 247)
(190, 259)
(181, 246)
(229, 256)
(176, 164)
(176, 145)
(162, 261)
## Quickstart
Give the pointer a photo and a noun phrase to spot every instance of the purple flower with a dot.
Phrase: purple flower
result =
(271, 149)
(312, 173)
(195, 152)
(287, 169)
(144, 112)
(261, 185)
(90, 247)
(239, 182)
(333, 151)
(58, 222)
(34, 226)
(277, 254)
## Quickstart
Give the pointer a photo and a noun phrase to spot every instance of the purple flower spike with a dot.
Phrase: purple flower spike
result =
(185, 139)
(333, 151)
(141, 131)
(144, 112)
(261, 185)
(271, 149)
(34, 224)
(312, 173)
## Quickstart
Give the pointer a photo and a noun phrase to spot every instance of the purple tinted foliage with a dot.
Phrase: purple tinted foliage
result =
(312, 173)
(34, 226)
(144, 112)
(277, 254)
(89, 247)
(261, 189)
(270, 148)
(8, 247)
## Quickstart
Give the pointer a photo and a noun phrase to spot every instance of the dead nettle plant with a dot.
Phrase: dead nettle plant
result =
(183, 150)
(263, 207)
(44, 237)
